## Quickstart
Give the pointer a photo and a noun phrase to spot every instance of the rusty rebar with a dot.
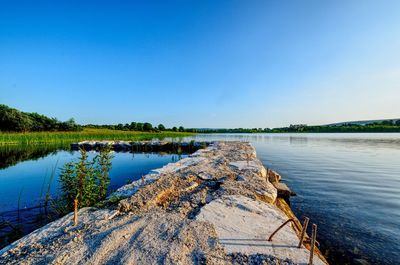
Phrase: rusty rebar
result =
(279, 228)
(75, 211)
(313, 239)
(303, 231)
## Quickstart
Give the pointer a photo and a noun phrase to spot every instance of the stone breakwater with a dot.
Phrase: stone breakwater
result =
(141, 146)
(217, 206)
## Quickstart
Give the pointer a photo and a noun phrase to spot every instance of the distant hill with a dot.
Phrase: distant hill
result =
(364, 122)
(371, 126)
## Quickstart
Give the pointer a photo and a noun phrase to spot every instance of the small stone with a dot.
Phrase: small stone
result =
(240, 178)
(204, 176)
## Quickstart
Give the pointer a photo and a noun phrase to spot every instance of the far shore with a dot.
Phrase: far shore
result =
(12, 138)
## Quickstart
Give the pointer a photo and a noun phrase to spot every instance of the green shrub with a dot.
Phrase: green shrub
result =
(85, 180)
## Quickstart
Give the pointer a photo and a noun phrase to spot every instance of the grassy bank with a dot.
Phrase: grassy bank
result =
(86, 134)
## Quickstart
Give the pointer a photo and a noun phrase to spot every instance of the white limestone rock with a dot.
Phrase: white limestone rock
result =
(243, 225)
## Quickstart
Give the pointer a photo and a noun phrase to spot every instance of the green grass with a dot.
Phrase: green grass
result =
(86, 134)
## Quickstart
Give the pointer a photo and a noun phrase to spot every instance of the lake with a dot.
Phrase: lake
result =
(348, 184)
(26, 175)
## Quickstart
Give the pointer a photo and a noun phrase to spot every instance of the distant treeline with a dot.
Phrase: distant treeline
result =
(13, 120)
(383, 126)
(234, 130)
(140, 126)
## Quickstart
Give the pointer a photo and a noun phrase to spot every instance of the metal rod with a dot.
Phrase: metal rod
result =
(313, 239)
(303, 231)
(279, 228)
(75, 211)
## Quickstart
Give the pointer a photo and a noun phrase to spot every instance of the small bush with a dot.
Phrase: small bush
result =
(85, 180)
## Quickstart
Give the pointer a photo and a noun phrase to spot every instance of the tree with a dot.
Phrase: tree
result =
(174, 129)
(18, 121)
(387, 122)
(181, 129)
(147, 126)
(398, 122)
(68, 125)
(42, 123)
(14, 120)
(132, 127)
(161, 127)
(139, 126)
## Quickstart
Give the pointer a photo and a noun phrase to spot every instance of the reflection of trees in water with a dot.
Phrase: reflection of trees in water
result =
(13, 154)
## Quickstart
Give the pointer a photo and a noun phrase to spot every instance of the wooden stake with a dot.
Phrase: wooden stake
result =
(313, 239)
(75, 211)
(303, 231)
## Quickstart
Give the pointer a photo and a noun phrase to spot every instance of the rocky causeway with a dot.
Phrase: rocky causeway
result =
(219, 205)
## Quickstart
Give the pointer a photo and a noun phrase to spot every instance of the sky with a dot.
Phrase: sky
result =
(203, 64)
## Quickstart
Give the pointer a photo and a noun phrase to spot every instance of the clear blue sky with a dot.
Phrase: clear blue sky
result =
(202, 63)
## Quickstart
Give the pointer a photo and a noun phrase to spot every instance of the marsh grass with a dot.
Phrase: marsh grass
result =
(15, 230)
(47, 196)
(87, 134)
(19, 227)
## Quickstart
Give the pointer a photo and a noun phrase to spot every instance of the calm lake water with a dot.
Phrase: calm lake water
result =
(348, 184)
(28, 177)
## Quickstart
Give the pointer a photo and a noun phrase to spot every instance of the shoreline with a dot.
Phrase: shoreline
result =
(68, 137)
(185, 198)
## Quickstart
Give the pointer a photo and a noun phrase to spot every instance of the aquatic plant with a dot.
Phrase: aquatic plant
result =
(19, 209)
(103, 167)
(47, 196)
(85, 180)
(13, 231)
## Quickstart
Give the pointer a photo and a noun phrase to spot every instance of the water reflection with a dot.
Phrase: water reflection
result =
(12, 154)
